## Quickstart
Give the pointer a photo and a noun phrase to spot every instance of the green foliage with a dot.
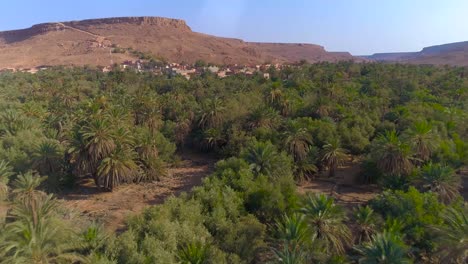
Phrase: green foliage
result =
(414, 210)
(392, 156)
(452, 236)
(386, 247)
(326, 220)
(440, 179)
(124, 127)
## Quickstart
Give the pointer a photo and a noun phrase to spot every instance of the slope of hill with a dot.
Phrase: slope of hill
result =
(447, 54)
(93, 41)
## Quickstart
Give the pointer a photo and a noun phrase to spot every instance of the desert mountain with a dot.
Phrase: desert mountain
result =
(95, 42)
(447, 54)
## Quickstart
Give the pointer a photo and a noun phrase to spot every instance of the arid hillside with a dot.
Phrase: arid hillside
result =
(112, 40)
(448, 54)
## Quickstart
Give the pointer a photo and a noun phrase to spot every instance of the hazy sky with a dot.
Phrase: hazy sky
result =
(358, 26)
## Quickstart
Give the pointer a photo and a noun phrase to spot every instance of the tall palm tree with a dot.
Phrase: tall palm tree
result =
(326, 220)
(262, 158)
(287, 255)
(333, 156)
(367, 223)
(6, 171)
(442, 180)
(293, 229)
(47, 157)
(452, 237)
(422, 140)
(25, 191)
(99, 138)
(212, 113)
(263, 116)
(384, 248)
(392, 155)
(35, 235)
(117, 168)
(297, 141)
(304, 169)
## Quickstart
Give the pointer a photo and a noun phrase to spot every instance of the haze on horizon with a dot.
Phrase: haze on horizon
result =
(360, 27)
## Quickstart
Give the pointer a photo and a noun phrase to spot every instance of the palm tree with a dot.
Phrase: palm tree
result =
(442, 180)
(263, 116)
(91, 143)
(304, 169)
(47, 157)
(293, 229)
(297, 141)
(262, 158)
(194, 253)
(25, 187)
(333, 156)
(212, 113)
(384, 248)
(422, 138)
(287, 255)
(452, 237)
(35, 235)
(365, 218)
(213, 138)
(117, 168)
(25, 191)
(99, 138)
(326, 220)
(6, 171)
(392, 155)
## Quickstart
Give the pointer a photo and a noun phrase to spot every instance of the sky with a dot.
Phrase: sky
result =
(359, 26)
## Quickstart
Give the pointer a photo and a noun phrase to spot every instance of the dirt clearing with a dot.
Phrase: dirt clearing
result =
(112, 208)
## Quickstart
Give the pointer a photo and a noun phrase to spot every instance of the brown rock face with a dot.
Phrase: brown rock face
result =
(448, 54)
(90, 42)
(139, 21)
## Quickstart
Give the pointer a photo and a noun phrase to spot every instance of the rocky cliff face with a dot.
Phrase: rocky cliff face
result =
(140, 21)
(448, 54)
(91, 42)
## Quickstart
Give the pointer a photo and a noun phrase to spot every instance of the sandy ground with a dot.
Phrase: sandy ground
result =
(343, 187)
(112, 208)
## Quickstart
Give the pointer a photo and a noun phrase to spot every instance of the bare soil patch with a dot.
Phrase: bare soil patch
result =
(344, 186)
(112, 208)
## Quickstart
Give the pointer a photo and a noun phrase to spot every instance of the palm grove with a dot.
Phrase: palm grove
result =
(407, 126)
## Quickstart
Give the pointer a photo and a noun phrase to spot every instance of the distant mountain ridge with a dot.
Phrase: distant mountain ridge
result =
(446, 54)
(95, 42)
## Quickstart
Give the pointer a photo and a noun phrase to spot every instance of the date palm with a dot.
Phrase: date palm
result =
(99, 138)
(293, 229)
(25, 191)
(6, 171)
(297, 141)
(384, 248)
(47, 157)
(326, 221)
(393, 156)
(452, 237)
(442, 180)
(212, 113)
(422, 138)
(193, 253)
(262, 158)
(287, 255)
(35, 235)
(333, 156)
(117, 168)
(263, 116)
(366, 220)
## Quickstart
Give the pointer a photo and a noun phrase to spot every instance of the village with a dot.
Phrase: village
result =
(174, 69)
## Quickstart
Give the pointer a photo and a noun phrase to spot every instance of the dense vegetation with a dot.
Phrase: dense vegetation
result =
(406, 125)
